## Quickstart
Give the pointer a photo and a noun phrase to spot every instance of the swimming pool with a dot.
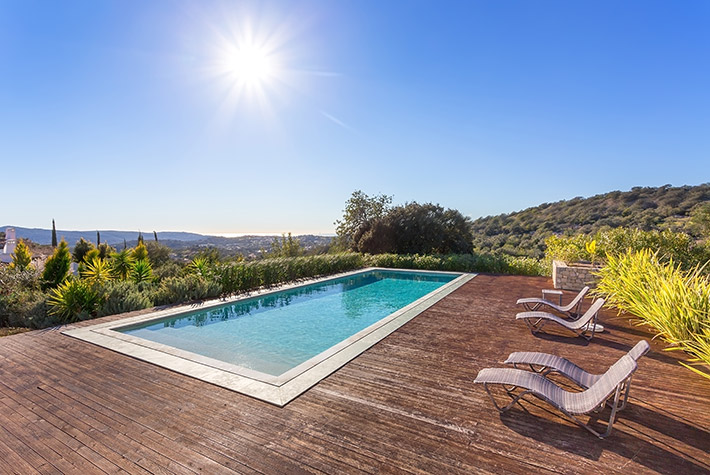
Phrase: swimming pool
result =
(276, 344)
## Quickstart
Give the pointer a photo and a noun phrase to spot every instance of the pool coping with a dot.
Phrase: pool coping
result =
(277, 390)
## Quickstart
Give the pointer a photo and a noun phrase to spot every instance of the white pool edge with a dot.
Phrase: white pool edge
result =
(278, 390)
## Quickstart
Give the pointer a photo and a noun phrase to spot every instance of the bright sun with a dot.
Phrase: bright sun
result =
(251, 66)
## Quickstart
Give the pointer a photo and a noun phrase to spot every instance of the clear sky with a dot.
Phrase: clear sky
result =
(234, 117)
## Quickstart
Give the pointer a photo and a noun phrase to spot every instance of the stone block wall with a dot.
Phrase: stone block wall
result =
(573, 277)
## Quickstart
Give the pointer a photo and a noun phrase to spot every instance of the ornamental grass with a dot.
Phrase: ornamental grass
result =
(660, 294)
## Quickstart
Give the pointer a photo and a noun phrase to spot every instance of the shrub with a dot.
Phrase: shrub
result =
(22, 257)
(81, 248)
(677, 246)
(121, 263)
(121, 297)
(25, 308)
(74, 300)
(141, 271)
(56, 269)
(185, 289)
(499, 264)
(97, 271)
(676, 303)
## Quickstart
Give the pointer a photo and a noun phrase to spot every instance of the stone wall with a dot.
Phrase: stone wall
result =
(573, 277)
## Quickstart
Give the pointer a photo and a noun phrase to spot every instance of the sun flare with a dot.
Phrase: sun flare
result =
(251, 65)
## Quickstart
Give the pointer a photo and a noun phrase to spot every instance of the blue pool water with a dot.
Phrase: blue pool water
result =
(277, 332)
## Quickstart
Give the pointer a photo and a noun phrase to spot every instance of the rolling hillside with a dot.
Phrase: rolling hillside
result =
(523, 233)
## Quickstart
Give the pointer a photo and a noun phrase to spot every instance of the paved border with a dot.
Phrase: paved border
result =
(278, 390)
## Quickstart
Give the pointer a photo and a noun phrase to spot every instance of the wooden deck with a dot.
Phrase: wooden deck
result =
(406, 405)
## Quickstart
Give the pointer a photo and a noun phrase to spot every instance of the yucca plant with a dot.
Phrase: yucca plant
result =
(74, 300)
(121, 264)
(141, 271)
(200, 266)
(676, 303)
(97, 271)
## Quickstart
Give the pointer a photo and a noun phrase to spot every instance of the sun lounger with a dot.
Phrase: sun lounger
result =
(572, 309)
(585, 326)
(593, 399)
(545, 363)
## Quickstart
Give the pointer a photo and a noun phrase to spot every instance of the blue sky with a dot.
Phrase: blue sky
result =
(126, 114)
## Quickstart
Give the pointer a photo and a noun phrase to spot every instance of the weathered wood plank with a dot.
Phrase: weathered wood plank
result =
(406, 405)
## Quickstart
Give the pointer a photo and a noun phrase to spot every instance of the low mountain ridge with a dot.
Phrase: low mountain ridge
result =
(523, 233)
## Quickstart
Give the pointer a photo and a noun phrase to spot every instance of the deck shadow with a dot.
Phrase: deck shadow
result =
(564, 436)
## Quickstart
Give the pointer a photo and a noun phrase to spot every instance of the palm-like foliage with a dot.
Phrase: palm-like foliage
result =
(74, 300)
(121, 264)
(199, 266)
(97, 271)
(141, 271)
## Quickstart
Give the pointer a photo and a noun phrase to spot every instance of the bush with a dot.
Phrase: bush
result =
(74, 300)
(25, 308)
(121, 297)
(676, 303)
(56, 269)
(185, 289)
(677, 246)
(491, 263)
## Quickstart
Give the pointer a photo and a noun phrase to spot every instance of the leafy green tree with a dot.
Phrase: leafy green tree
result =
(416, 229)
(700, 218)
(360, 211)
(22, 257)
(158, 254)
(121, 264)
(54, 235)
(56, 269)
(286, 247)
(81, 248)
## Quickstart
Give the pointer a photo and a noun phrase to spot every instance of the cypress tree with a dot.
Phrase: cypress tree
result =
(98, 239)
(140, 237)
(124, 243)
(54, 235)
(57, 267)
(155, 235)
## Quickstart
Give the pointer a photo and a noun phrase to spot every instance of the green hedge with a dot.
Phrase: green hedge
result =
(497, 264)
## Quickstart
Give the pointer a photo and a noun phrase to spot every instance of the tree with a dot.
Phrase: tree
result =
(360, 211)
(54, 235)
(287, 247)
(416, 229)
(700, 218)
(81, 247)
(155, 236)
(125, 246)
(158, 254)
(98, 239)
(22, 257)
(140, 237)
(56, 269)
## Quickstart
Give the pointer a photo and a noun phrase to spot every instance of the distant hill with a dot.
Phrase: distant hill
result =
(183, 243)
(44, 236)
(523, 233)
